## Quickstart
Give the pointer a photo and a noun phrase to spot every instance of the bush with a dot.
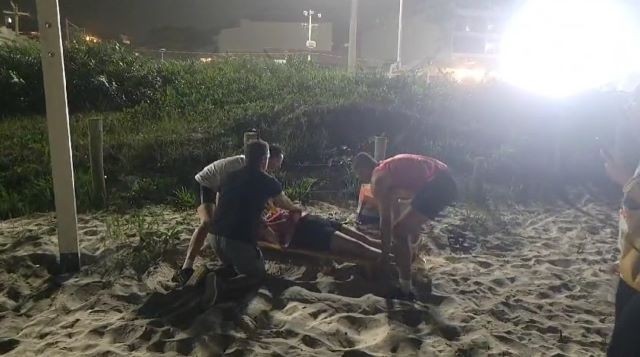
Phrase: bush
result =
(164, 121)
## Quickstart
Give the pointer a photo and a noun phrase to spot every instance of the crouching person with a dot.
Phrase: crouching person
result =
(237, 222)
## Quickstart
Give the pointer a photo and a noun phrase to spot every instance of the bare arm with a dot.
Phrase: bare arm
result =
(382, 193)
(282, 201)
(618, 174)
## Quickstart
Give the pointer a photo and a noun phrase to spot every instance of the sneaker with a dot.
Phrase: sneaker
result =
(210, 291)
(184, 275)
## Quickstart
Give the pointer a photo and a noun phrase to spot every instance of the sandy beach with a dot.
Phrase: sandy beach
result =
(521, 281)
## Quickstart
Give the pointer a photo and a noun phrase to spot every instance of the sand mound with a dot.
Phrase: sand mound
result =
(532, 281)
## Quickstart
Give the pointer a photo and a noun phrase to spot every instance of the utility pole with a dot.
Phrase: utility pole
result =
(352, 56)
(399, 55)
(16, 16)
(310, 43)
(55, 92)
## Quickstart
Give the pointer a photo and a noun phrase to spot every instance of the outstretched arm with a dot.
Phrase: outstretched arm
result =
(383, 195)
(618, 174)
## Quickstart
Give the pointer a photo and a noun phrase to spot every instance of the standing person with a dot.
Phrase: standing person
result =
(624, 340)
(209, 180)
(237, 222)
(429, 185)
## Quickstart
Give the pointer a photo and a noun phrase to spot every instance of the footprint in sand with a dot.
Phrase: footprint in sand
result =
(8, 344)
(562, 263)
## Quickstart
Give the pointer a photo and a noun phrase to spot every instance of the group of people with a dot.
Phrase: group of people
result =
(241, 204)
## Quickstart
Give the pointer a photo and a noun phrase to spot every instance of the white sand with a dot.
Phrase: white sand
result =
(540, 288)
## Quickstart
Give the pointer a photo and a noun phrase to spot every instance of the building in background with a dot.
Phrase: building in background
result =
(476, 37)
(261, 36)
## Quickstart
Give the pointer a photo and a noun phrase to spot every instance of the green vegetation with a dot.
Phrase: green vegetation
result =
(163, 121)
(141, 242)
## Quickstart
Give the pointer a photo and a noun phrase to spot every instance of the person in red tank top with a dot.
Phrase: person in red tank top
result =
(424, 180)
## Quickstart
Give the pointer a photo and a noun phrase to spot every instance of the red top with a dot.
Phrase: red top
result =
(409, 172)
(283, 223)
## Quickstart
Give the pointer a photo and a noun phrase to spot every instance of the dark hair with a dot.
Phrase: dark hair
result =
(275, 150)
(255, 152)
(363, 160)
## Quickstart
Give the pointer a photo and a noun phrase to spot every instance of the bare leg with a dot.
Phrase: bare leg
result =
(205, 211)
(407, 225)
(343, 244)
(360, 237)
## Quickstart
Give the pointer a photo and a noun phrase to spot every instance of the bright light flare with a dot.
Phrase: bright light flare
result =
(558, 48)
(468, 75)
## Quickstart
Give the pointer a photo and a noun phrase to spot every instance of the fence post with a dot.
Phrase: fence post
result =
(250, 136)
(380, 149)
(96, 160)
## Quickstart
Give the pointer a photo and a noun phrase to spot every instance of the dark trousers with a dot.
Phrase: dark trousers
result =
(625, 340)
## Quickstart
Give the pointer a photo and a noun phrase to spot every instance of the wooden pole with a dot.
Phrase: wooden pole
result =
(59, 136)
(352, 56)
(66, 28)
(96, 159)
(250, 136)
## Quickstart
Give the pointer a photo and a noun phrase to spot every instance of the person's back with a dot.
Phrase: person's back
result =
(211, 176)
(243, 196)
(409, 172)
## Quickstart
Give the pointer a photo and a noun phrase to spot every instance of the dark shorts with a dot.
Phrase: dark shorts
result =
(206, 194)
(314, 233)
(436, 195)
(624, 340)
(245, 258)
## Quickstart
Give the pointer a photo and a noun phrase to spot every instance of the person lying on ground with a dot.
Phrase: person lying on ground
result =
(209, 180)
(429, 185)
(317, 234)
(237, 222)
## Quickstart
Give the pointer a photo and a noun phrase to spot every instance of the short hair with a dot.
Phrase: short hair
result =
(254, 152)
(364, 161)
(275, 150)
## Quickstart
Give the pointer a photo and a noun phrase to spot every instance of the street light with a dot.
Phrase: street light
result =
(310, 14)
(162, 51)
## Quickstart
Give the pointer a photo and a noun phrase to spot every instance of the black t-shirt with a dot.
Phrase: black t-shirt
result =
(242, 199)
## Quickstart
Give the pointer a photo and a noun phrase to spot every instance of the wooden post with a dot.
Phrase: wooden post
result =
(477, 191)
(59, 136)
(352, 55)
(96, 160)
(380, 149)
(250, 136)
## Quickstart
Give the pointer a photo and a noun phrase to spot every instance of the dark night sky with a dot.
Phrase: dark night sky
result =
(138, 18)
(205, 18)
